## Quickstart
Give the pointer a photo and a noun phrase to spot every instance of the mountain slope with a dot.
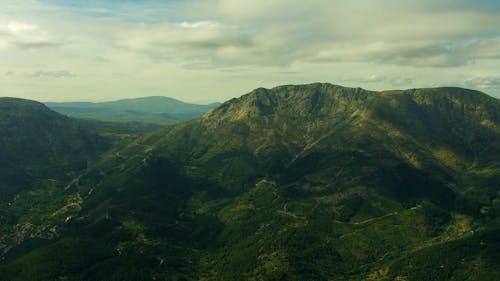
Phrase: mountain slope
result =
(40, 152)
(309, 182)
(40, 141)
(154, 109)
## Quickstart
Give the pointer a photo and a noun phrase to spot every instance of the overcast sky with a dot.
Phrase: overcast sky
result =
(213, 50)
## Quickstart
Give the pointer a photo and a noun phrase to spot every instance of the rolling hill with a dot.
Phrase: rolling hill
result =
(154, 110)
(298, 182)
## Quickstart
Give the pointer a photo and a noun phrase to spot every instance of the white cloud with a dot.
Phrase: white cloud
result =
(374, 78)
(186, 42)
(17, 34)
(389, 32)
(217, 49)
(402, 81)
(484, 83)
(52, 74)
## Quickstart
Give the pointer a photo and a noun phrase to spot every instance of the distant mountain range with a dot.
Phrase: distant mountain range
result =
(155, 109)
(298, 182)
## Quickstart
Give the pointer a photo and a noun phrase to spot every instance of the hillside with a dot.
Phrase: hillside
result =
(307, 182)
(42, 142)
(152, 110)
(40, 152)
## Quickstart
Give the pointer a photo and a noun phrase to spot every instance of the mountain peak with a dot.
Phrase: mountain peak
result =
(300, 100)
(323, 99)
(19, 102)
(23, 107)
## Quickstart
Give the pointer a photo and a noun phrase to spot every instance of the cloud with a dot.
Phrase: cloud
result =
(422, 33)
(488, 48)
(16, 34)
(483, 83)
(231, 46)
(370, 79)
(100, 59)
(397, 81)
(52, 74)
(401, 81)
(222, 33)
(190, 43)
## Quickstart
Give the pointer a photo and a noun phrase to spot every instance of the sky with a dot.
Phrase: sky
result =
(213, 50)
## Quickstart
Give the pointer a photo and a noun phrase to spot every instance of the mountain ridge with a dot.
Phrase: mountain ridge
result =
(308, 182)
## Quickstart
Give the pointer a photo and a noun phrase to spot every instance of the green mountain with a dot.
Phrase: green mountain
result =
(152, 110)
(40, 152)
(307, 182)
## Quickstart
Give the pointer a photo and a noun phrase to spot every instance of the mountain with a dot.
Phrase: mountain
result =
(154, 110)
(40, 152)
(42, 142)
(298, 182)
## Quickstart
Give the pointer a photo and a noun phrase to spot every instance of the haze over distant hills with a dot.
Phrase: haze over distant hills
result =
(297, 182)
(154, 109)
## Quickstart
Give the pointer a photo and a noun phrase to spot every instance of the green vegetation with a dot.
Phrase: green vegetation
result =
(309, 182)
(41, 152)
